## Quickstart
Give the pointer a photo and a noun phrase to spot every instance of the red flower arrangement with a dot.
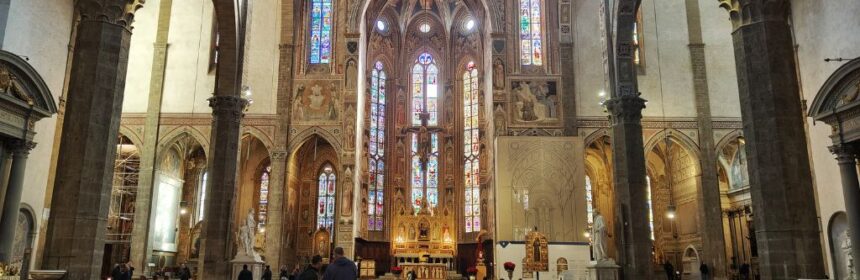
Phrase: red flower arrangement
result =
(472, 270)
(396, 270)
(509, 266)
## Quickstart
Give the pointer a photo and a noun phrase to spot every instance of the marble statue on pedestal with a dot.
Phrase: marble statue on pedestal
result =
(246, 235)
(598, 235)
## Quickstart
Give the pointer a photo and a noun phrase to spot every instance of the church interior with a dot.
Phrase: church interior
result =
(430, 139)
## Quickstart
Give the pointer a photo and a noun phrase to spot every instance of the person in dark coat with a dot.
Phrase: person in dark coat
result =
(670, 270)
(283, 273)
(116, 273)
(184, 273)
(703, 269)
(129, 271)
(342, 268)
(267, 274)
(245, 274)
(313, 270)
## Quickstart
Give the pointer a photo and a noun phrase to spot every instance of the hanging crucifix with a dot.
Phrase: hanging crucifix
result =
(424, 164)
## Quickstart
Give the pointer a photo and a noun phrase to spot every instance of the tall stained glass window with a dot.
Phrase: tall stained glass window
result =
(263, 204)
(650, 205)
(425, 90)
(425, 177)
(321, 24)
(531, 42)
(637, 39)
(589, 201)
(471, 149)
(376, 152)
(201, 196)
(325, 198)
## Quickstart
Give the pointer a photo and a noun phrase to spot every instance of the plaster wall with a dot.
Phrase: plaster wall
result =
(140, 59)
(824, 29)
(45, 45)
(720, 59)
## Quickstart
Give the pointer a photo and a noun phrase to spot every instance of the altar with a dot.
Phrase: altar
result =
(427, 271)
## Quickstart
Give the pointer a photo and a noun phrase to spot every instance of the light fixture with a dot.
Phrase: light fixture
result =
(742, 140)
(586, 234)
(470, 24)
(246, 94)
(380, 25)
(670, 212)
(183, 211)
(262, 230)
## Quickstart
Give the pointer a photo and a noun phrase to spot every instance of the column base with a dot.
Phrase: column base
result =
(603, 270)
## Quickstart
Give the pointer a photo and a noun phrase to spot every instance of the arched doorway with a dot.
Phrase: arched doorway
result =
(598, 183)
(255, 170)
(313, 182)
(736, 204)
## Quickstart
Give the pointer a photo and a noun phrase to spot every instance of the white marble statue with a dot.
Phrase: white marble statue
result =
(246, 235)
(598, 238)
(846, 251)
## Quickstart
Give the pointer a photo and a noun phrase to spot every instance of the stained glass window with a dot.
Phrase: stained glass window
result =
(321, 24)
(637, 39)
(325, 198)
(471, 149)
(425, 90)
(201, 197)
(376, 151)
(650, 205)
(425, 176)
(263, 205)
(531, 42)
(589, 201)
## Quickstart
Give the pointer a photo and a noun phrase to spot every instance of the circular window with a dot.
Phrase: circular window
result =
(380, 25)
(424, 28)
(470, 24)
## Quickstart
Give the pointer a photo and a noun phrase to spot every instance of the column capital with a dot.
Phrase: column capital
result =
(118, 12)
(279, 154)
(626, 108)
(231, 105)
(22, 146)
(844, 153)
(742, 12)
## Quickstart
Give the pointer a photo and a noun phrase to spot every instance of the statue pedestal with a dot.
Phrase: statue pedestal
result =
(254, 263)
(603, 270)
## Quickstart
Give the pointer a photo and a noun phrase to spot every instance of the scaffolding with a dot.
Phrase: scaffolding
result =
(123, 192)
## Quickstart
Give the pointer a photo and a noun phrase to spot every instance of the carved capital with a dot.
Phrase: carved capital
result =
(279, 154)
(626, 108)
(228, 106)
(845, 154)
(118, 12)
(742, 12)
(22, 147)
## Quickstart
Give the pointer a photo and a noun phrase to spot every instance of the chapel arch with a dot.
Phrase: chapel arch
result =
(253, 184)
(673, 179)
(120, 220)
(735, 199)
(598, 172)
(306, 164)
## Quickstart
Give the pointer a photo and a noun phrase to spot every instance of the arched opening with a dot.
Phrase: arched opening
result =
(253, 186)
(24, 235)
(598, 172)
(736, 204)
(314, 183)
(123, 196)
(673, 178)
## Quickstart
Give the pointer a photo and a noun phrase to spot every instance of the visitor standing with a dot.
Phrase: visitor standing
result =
(313, 270)
(670, 270)
(184, 273)
(267, 274)
(283, 273)
(245, 274)
(342, 268)
(703, 269)
(116, 273)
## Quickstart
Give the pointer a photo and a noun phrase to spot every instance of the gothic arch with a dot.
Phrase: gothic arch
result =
(131, 135)
(594, 136)
(175, 135)
(300, 138)
(679, 137)
(728, 139)
(260, 135)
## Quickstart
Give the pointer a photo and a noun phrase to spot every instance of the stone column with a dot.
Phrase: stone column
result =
(12, 200)
(141, 245)
(217, 236)
(708, 195)
(274, 224)
(628, 160)
(783, 198)
(846, 156)
(81, 196)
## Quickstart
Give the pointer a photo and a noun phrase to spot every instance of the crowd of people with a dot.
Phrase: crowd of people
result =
(341, 268)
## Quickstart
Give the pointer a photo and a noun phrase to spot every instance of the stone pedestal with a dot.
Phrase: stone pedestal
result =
(254, 263)
(603, 270)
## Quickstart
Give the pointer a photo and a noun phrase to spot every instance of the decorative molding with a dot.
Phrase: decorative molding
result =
(675, 123)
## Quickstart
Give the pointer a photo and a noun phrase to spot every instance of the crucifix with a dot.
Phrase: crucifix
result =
(425, 145)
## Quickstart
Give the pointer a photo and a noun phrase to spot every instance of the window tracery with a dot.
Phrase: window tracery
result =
(531, 32)
(321, 19)
(425, 90)
(471, 149)
(263, 202)
(376, 151)
(326, 197)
